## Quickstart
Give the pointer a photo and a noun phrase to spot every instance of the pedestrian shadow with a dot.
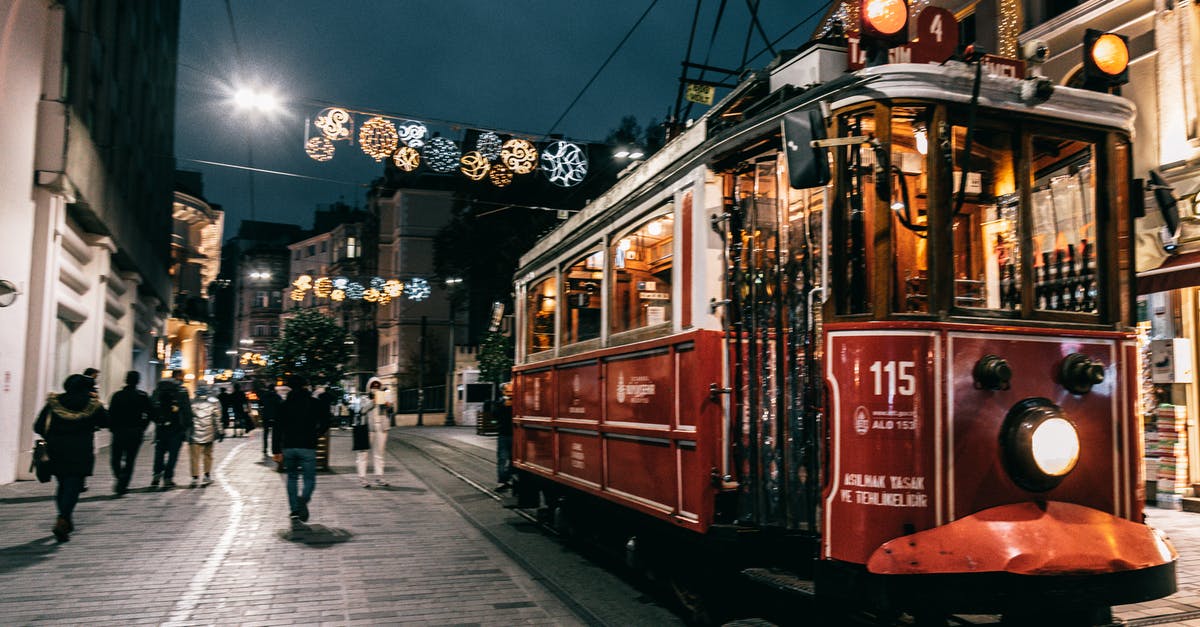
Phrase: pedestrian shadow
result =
(20, 556)
(16, 500)
(397, 488)
(316, 536)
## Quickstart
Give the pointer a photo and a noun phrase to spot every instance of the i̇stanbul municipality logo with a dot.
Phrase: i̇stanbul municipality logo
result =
(621, 387)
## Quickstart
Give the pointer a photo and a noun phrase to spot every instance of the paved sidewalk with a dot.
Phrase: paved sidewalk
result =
(227, 554)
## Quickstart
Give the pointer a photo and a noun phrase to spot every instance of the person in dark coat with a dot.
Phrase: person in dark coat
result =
(130, 412)
(301, 421)
(172, 421)
(503, 415)
(268, 408)
(238, 403)
(226, 400)
(68, 423)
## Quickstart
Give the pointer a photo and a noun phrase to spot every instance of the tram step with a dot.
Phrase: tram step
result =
(1191, 504)
(780, 579)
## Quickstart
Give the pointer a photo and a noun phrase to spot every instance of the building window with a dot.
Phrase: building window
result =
(261, 330)
(296, 254)
(312, 250)
(540, 306)
(262, 298)
(324, 245)
(351, 248)
(641, 276)
(581, 295)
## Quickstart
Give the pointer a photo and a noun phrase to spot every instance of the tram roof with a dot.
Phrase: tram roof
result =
(950, 82)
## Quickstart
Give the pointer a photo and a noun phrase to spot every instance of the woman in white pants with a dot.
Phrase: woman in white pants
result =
(377, 425)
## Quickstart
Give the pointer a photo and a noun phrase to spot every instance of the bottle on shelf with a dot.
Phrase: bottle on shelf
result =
(1043, 285)
(1069, 282)
(1055, 282)
(1012, 296)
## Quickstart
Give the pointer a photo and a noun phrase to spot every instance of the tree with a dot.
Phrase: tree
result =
(313, 346)
(495, 358)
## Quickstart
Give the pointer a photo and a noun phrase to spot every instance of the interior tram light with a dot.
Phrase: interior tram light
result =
(1105, 60)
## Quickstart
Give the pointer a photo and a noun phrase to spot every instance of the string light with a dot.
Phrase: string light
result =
(474, 165)
(354, 290)
(488, 145)
(413, 134)
(322, 287)
(407, 158)
(371, 295)
(393, 288)
(1010, 27)
(417, 289)
(375, 283)
(500, 175)
(335, 123)
(441, 154)
(564, 163)
(337, 295)
(519, 155)
(297, 295)
(319, 148)
(377, 137)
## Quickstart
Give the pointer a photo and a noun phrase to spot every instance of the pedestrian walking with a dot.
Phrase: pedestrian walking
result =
(301, 421)
(205, 430)
(226, 401)
(241, 418)
(503, 415)
(370, 438)
(172, 420)
(68, 423)
(268, 409)
(93, 374)
(130, 412)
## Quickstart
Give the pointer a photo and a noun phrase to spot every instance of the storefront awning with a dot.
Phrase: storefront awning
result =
(1175, 273)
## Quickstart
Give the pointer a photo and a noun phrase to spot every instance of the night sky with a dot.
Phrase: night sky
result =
(512, 66)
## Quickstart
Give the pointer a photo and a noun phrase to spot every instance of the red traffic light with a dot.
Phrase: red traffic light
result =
(1105, 60)
(884, 22)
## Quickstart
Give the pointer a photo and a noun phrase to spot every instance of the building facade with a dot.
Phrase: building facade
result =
(195, 266)
(85, 199)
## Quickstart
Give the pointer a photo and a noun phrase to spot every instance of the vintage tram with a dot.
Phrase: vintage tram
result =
(911, 382)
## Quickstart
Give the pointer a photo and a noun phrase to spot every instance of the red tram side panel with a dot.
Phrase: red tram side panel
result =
(634, 424)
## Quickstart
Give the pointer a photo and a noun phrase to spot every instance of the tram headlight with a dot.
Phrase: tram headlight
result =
(1105, 60)
(1039, 444)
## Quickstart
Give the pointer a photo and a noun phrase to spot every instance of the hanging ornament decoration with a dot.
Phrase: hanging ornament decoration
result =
(319, 148)
(407, 158)
(441, 154)
(322, 287)
(488, 145)
(371, 295)
(340, 283)
(564, 163)
(393, 288)
(377, 137)
(335, 123)
(413, 134)
(417, 289)
(337, 295)
(500, 175)
(519, 155)
(474, 165)
(354, 291)
(376, 283)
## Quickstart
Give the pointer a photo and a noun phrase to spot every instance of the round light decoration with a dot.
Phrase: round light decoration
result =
(474, 165)
(1110, 54)
(322, 287)
(393, 288)
(519, 155)
(407, 158)
(319, 148)
(887, 16)
(337, 295)
(335, 123)
(441, 154)
(354, 291)
(378, 139)
(413, 134)
(488, 145)
(417, 289)
(564, 163)
(500, 175)
(371, 295)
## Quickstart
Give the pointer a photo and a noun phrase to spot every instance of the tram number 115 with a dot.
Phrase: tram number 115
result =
(899, 376)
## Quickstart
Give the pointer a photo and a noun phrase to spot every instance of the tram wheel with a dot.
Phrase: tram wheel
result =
(693, 597)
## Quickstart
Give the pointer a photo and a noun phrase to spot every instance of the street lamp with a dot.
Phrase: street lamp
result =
(264, 102)
(629, 152)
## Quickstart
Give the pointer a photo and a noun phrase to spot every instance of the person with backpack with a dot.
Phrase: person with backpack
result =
(300, 422)
(130, 412)
(67, 423)
(172, 422)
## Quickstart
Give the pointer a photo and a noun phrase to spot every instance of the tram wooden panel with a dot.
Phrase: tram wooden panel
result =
(642, 469)
(579, 456)
(639, 389)
(578, 392)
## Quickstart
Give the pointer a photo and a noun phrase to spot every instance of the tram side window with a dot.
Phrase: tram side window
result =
(539, 308)
(855, 211)
(641, 276)
(909, 204)
(581, 293)
(986, 229)
(1064, 224)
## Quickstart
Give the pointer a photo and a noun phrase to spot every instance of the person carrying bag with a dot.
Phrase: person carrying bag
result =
(68, 423)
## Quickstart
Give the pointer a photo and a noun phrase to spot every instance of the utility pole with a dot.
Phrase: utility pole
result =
(421, 377)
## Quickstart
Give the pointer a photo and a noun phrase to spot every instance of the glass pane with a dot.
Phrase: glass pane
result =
(1064, 224)
(642, 259)
(581, 292)
(986, 240)
(909, 204)
(855, 214)
(539, 311)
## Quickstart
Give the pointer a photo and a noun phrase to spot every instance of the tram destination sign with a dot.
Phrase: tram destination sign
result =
(936, 42)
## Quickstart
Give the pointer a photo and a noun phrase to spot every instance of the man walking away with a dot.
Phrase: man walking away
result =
(130, 412)
(173, 420)
(205, 430)
(268, 409)
(301, 421)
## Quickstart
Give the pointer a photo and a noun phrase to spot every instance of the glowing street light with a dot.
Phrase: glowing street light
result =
(261, 100)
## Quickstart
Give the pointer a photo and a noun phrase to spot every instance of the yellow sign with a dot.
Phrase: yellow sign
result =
(702, 94)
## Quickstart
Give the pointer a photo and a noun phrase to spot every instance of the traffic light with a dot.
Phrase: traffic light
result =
(884, 23)
(1105, 60)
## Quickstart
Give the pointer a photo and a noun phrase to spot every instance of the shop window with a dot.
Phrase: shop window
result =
(986, 227)
(540, 306)
(641, 285)
(1064, 224)
(581, 295)
(854, 214)
(909, 202)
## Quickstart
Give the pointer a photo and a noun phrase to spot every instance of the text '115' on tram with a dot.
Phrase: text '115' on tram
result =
(862, 330)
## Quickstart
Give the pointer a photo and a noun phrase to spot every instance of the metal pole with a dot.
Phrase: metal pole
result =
(450, 377)
(421, 377)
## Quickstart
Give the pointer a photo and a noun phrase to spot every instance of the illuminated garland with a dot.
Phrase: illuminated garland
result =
(319, 148)
(407, 158)
(378, 138)
(474, 165)
(488, 145)
(564, 163)
(519, 155)
(377, 289)
(413, 134)
(500, 175)
(441, 155)
(335, 124)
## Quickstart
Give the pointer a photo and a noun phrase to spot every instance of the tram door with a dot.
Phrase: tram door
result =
(772, 258)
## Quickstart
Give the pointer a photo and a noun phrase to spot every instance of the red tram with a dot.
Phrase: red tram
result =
(910, 381)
